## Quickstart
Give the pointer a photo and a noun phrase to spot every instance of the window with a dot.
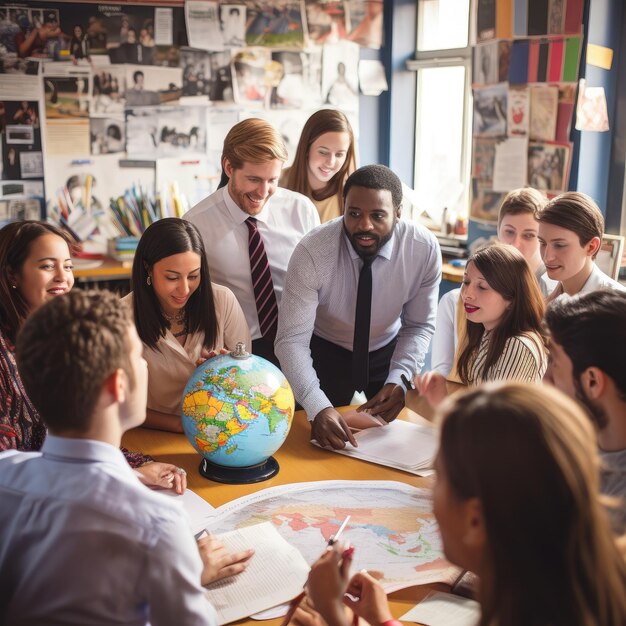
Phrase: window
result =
(443, 108)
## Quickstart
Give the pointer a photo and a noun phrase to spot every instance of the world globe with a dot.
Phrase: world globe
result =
(237, 410)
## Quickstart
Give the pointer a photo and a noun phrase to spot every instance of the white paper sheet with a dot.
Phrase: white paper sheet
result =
(276, 573)
(163, 26)
(402, 445)
(509, 168)
(444, 609)
(198, 509)
(203, 25)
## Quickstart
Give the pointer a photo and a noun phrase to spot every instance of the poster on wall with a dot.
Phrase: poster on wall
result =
(277, 24)
(549, 166)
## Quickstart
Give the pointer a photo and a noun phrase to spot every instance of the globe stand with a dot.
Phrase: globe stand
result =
(239, 475)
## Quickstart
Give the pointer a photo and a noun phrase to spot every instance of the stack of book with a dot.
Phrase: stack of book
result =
(123, 249)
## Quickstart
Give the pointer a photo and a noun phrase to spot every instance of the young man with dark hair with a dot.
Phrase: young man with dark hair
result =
(358, 308)
(81, 539)
(587, 363)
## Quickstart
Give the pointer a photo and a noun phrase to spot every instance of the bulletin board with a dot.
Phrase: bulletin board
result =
(525, 70)
(101, 101)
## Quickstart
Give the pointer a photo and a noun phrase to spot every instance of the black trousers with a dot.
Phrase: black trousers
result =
(265, 348)
(333, 365)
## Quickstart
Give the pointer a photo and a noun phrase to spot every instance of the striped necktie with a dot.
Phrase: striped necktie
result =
(264, 296)
(361, 343)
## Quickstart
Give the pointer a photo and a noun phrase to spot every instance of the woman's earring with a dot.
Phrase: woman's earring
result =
(149, 280)
(14, 286)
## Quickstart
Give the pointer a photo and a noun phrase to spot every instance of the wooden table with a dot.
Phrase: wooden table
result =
(299, 462)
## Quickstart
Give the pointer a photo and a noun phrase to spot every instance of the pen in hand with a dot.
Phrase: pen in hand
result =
(407, 383)
(295, 603)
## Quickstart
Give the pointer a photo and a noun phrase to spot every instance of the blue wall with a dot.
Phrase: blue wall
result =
(594, 158)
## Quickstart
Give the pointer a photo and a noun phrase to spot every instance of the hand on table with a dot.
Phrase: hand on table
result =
(431, 385)
(327, 584)
(329, 429)
(163, 476)
(219, 562)
(371, 600)
(387, 403)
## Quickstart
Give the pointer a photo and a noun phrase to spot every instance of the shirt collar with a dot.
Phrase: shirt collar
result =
(386, 251)
(239, 216)
(83, 451)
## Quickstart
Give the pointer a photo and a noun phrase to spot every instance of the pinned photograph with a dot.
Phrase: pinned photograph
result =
(66, 96)
(221, 77)
(150, 86)
(22, 112)
(290, 91)
(196, 66)
(153, 132)
(233, 24)
(366, 23)
(548, 166)
(483, 157)
(340, 64)
(485, 63)
(485, 204)
(109, 86)
(277, 24)
(254, 76)
(490, 110)
(326, 21)
(106, 135)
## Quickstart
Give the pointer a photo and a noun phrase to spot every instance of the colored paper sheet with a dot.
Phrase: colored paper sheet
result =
(555, 61)
(485, 20)
(518, 69)
(533, 61)
(572, 55)
(504, 19)
(599, 56)
(520, 18)
(537, 17)
(542, 63)
(573, 17)
(556, 15)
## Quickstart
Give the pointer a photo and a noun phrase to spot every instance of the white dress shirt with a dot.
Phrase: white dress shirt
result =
(283, 221)
(446, 337)
(82, 541)
(597, 280)
(320, 296)
(170, 365)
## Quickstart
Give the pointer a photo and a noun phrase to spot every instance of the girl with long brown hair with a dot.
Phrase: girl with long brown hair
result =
(324, 159)
(502, 337)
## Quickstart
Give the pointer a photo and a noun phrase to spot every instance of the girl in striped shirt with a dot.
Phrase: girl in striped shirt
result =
(500, 336)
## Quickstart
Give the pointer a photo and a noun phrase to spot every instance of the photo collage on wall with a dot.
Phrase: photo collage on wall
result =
(102, 92)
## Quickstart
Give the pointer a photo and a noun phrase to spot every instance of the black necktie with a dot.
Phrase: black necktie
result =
(361, 343)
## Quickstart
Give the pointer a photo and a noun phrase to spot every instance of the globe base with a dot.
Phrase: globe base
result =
(240, 475)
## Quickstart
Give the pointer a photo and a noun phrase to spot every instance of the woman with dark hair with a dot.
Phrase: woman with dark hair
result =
(35, 266)
(181, 317)
(325, 157)
(517, 502)
(571, 227)
(502, 335)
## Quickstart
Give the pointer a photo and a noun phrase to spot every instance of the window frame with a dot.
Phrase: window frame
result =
(450, 57)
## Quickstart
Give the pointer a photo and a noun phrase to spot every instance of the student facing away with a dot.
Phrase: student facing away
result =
(82, 541)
